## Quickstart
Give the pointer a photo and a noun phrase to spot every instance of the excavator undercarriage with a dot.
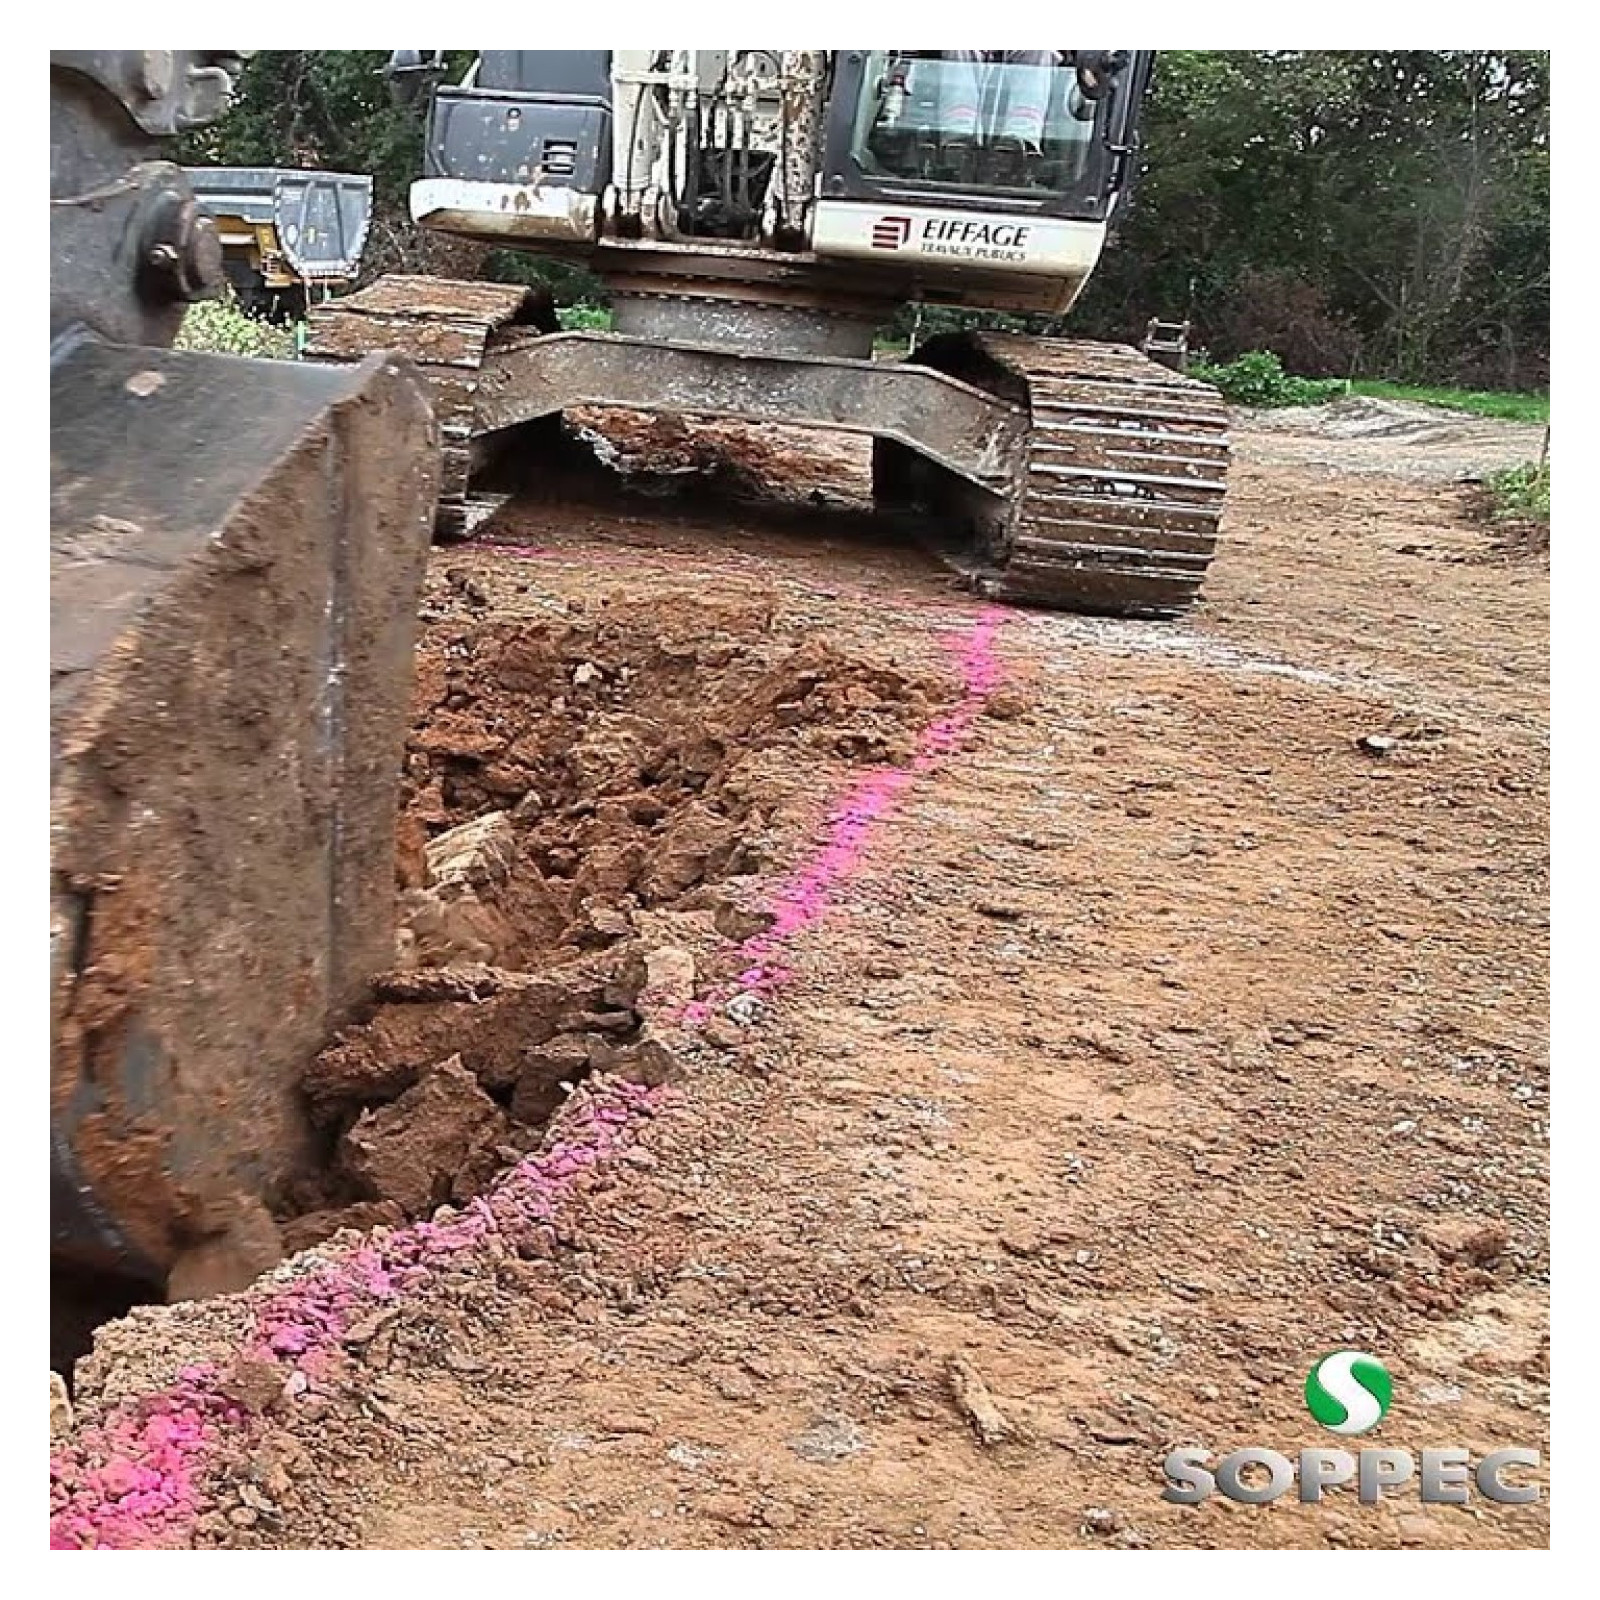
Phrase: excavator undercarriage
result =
(1052, 472)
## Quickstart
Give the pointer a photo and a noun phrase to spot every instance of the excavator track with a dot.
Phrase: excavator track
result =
(1112, 508)
(445, 327)
(1120, 490)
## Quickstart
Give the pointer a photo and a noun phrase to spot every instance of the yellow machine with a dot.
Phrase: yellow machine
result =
(289, 238)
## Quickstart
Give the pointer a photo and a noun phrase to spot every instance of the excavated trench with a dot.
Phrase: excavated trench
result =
(596, 796)
(589, 801)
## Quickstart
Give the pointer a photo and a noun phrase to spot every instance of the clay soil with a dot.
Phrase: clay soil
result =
(1181, 1021)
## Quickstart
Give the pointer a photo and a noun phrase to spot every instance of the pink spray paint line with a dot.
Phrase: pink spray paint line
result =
(810, 892)
(136, 1479)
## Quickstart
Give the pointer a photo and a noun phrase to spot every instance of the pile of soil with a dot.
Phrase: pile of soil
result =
(588, 798)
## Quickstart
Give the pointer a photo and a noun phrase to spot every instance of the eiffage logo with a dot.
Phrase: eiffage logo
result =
(889, 233)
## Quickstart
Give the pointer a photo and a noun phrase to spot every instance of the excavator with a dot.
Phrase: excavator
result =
(236, 555)
(237, 547)
(756, 215)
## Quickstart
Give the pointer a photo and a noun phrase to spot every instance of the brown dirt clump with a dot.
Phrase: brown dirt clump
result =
(439, 1141)
(567, 776)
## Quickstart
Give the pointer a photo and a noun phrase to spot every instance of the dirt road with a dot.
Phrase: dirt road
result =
(1075, 1030)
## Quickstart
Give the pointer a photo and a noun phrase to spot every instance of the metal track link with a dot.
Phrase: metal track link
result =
(1120, 494)
(445, 327)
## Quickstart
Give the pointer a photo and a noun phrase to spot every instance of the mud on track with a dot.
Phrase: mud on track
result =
(1152, 1037)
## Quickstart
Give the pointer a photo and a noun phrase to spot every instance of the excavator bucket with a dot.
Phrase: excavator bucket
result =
(236, 553)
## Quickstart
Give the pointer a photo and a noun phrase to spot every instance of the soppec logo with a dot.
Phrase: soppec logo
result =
(1349, 1392)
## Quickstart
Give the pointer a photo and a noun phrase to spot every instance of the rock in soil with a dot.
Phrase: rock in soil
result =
(976, 1404)
(491, 1035)
(669, 976)
(1471, 1239)
(454, 918)
(545, 1069)
(697, 842)
(476, 855)
(410, 1152)
(649, 1059)
(60, 1406)
(301, 1233)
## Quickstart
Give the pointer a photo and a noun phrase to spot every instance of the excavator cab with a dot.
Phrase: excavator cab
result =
(1021, 121)
(988, 176)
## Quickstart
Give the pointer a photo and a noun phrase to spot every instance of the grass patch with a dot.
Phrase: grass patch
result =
(222, 329)
(1480, 402)
(1521, 494)
(1258, 379)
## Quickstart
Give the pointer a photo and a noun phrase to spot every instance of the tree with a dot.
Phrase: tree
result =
(1296, 200)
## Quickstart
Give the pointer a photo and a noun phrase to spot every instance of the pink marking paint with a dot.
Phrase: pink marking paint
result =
(810, 892)
(134, 1480)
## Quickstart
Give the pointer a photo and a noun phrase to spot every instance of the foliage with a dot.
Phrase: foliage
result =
(1267, 308)
(569, 283)
(585, 319)
(1257, 378)
(1408, 190)
(319, 108)
(1522, 493)
(220, 327)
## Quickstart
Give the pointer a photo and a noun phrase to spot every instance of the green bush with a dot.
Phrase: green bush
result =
(1522, 494)
(1257, 378)
(585, 319)
(569, 283)
(221, 328)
